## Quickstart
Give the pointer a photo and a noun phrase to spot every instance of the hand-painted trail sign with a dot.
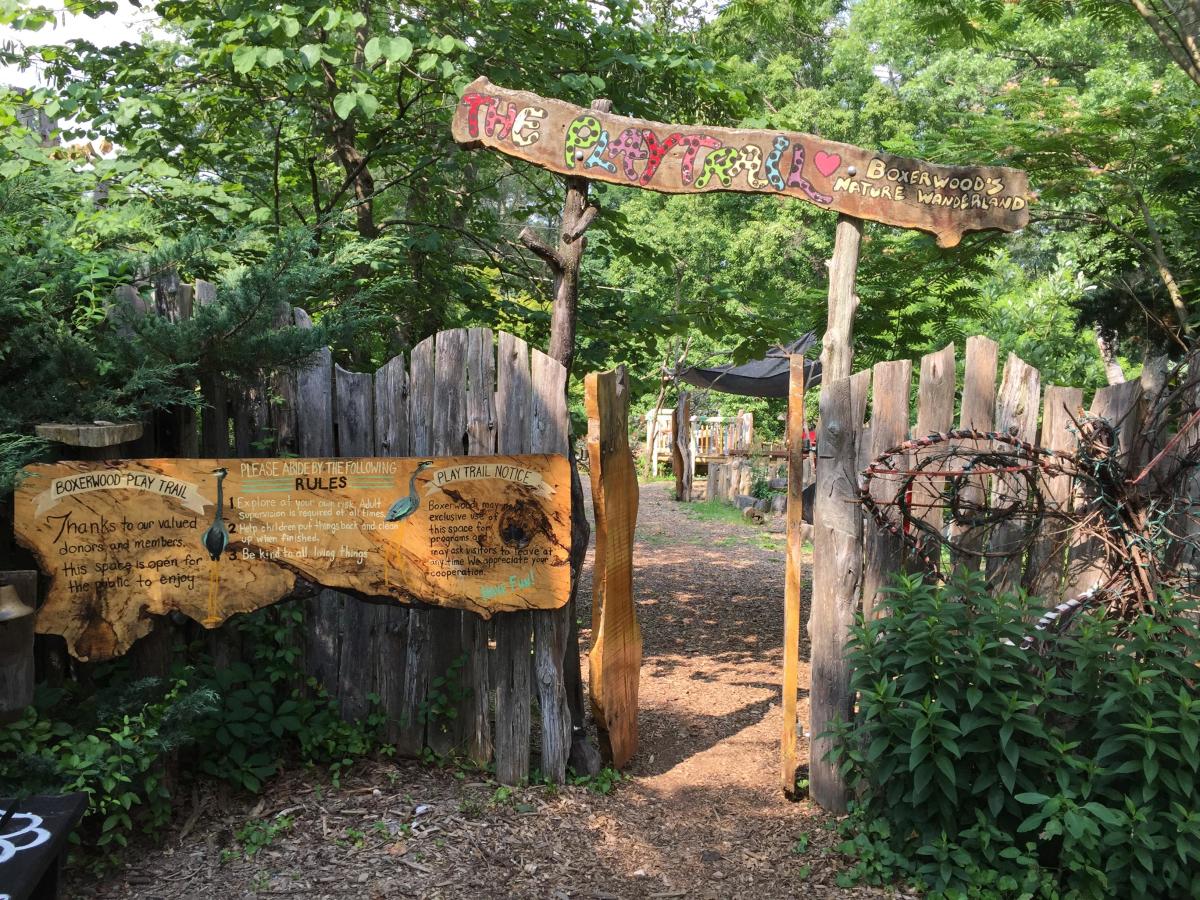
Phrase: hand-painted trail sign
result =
(122, 539)
(680, 159)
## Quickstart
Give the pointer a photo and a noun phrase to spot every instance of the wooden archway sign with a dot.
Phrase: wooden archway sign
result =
(946, 201)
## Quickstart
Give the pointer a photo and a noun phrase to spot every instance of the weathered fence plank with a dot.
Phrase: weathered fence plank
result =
(1119, 405)
(446, 644)
(420, 621)
(935, 414)
(978, 412)
(392, 619)
(551, 628)
(314, 426)
(1045, 572)
(616, 655)
(884, 551)
(837, 577)
(513, 668)
(354, 429)
(1016, 415)
(481, 441)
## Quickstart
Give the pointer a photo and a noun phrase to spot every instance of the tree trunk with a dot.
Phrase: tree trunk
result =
(1108, 355)
(564, 262)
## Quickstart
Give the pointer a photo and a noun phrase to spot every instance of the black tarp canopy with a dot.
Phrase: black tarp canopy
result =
(766, 377)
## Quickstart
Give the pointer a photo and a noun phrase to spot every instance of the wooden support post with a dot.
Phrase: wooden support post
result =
(616, 656)
(788, 757)
(837, 535)
(837, 347)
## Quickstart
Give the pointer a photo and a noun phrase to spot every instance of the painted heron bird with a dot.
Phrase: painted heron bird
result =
(406, 506)
(215, 540)
(402, 509)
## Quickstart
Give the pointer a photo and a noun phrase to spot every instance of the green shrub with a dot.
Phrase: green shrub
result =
(239, 723)
(985, 770)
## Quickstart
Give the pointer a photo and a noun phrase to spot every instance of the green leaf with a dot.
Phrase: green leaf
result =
(368, 103)
(311, 54)
(372, 51)
(399, 49)
(446, 44)
(271, 57)
(344, 103)
(244, 59)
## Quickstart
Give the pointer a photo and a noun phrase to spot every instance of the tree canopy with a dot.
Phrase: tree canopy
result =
(310, 140)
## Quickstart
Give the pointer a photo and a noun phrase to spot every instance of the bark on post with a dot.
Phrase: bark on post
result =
(564, 262)
(837, 346)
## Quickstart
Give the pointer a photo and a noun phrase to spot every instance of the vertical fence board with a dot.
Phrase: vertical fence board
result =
(551, 628)
(788, 755)
(883, 551)
(354, 427)
(314, 426)
(935, 414)
(616, 654)
(1119, 404)
(837, 577)
(445, 638)
(481, 441)
(391, 439)
(1045, 573)
(420, 621)
(391, 408)
(1016, 415)
(978, 412)
(513, 663)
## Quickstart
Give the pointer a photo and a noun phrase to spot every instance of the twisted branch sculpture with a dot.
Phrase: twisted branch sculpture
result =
(971, 497)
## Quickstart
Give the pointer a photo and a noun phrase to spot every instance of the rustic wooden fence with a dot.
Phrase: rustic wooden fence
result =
(854, 558)
(447, 680)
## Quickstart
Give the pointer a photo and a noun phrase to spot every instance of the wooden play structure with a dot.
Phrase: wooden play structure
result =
(709, 439)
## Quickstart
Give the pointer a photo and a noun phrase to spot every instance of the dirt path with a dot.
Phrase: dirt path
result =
(698, 814)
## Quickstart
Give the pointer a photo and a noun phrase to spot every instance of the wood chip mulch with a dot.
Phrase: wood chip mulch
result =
(698, 813)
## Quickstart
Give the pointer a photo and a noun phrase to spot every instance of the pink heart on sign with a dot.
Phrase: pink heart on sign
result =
(827, 163)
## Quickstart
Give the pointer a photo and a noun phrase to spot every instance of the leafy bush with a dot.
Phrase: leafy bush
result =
(239, 723)
(985, 770)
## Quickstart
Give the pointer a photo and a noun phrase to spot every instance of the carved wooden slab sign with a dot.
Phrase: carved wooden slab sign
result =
(125, 539)
(681, 159)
